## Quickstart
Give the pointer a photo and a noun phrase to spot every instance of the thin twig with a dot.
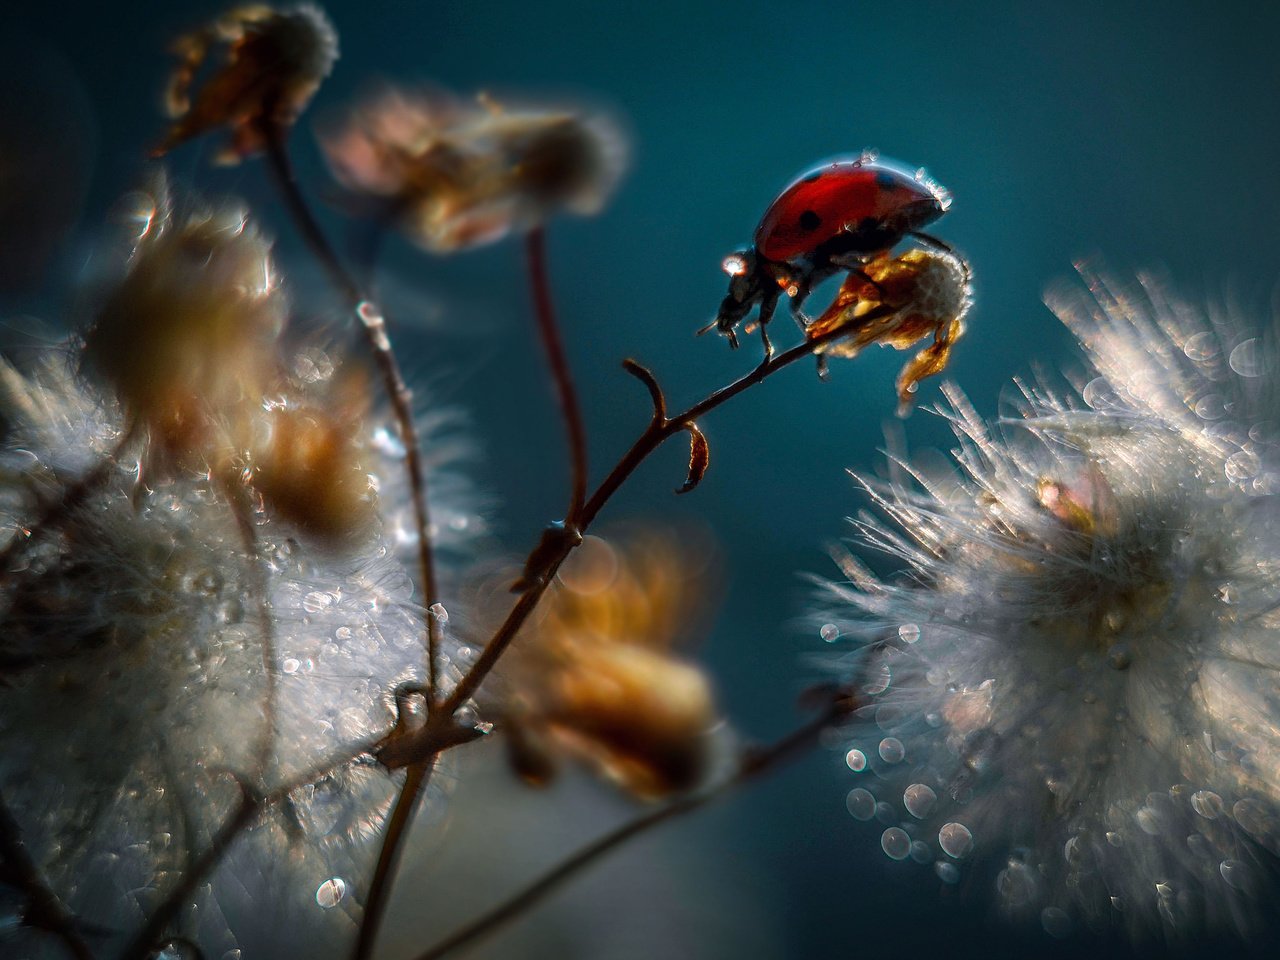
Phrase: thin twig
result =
(260, 587)
(653, 436)
(373, 326)
(416, 781)
(71, 499)
(43, 910)
(252, 805)
(553, 344)
(752, 763)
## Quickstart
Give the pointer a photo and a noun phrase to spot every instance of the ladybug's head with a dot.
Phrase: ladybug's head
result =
(752, 280)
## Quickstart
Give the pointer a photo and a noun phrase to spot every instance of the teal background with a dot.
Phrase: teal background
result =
(1143, 135)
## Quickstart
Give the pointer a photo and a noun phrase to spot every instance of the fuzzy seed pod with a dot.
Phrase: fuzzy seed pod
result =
(456, 175)
(274, 63)
(1074, 685)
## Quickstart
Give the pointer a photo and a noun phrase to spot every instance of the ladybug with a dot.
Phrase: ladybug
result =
(838, 216)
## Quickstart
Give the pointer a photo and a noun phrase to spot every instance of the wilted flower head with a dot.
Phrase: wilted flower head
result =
(596, 676)
(926, 291)
(274, 62)
(134, 685)
(1074, 683)
(186, 339)
(456, 174)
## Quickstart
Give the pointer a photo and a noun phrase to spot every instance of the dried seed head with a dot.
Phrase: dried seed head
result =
(308, 468)
(186, 340)
(456, 175)
(597, 678)
(274, 61)
(928, 292)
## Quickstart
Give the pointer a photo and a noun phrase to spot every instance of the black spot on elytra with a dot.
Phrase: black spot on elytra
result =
(809, 220)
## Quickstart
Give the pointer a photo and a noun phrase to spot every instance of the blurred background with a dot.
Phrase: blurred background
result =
(1143, 138)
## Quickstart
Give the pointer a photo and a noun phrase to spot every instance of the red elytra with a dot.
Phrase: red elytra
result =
(861, 206)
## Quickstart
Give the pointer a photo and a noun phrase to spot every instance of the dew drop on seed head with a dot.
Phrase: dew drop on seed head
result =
(1242, 465)
(955, 839)
(1201, 347)
(1015, 884)
(1247, 359)
(919, 799)
(289, 665)
(829, 632)
(316, 601)
(895, 843)
(1235, 873)
(891, 750)
(908, 633)
(1055, 921)
(856, 760)
(439, 612)
(886, 814)
(1207, 804)
(920, 851)
(330, 893)
(861, 804)
(947, 872)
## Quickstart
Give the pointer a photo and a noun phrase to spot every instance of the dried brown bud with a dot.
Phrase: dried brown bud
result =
(274, 62)
(456, 175)
(927, 291)
(308, 469)
(597, 677)
(187, 338)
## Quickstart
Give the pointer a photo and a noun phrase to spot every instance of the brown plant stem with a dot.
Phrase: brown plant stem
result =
(260, 585)
(416, 781)
(373, 326)
(751, 764)
(73, 496)
(251, 806)
(553, 344)
(661, 427)
(43, 910)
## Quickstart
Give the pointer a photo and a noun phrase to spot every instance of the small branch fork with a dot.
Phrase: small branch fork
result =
(752, 763)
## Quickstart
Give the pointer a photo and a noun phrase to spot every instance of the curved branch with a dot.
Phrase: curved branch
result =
(751, 764)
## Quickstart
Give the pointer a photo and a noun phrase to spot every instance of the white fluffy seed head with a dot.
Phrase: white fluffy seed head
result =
(1081, 659)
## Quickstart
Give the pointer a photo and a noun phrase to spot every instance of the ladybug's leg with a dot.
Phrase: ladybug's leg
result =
(768, 303)
(804, 286)
(929, 240)
(824, 372)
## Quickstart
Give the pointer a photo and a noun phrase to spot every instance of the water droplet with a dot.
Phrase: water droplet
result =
(909, 633)
(891, 750)
(860, 804)
(439, 612)
(1055, 921)
(1114, 838)
(1207, 803)
(1247, 359)
(955, 839)
(315, 601)
(856, 760)
(829, 632)
(1242, 465)
(289, 665)
(895, 843)
(1016, 884)
(1227, 594)
(920, 852)
(1210, 407)
(1201, 347)
(1099, 395)
(919, 799)
(1235, 873)
(947, 872)
(330, 893)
